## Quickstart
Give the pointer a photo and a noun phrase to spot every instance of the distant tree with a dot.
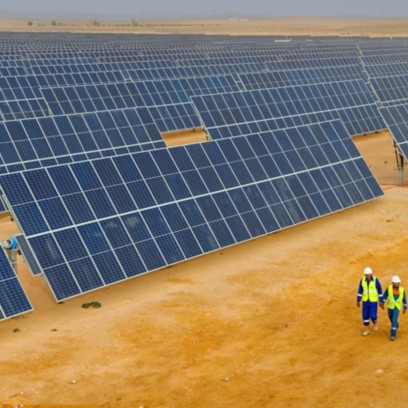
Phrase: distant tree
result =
(30, 23)
(134, 23)
(96, 23)
(54, 23)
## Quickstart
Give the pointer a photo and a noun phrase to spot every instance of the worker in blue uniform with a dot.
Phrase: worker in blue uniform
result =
(370, 293)
(396, 301)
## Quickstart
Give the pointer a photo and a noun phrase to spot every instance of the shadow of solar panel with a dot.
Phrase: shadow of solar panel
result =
(217, 208)
(13, 300)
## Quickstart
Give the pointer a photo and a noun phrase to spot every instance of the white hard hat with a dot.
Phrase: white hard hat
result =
(368, 271)
(395, 279)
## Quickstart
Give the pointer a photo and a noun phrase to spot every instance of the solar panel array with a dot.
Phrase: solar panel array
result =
(95, 223)
(233, 113)
(98, 196)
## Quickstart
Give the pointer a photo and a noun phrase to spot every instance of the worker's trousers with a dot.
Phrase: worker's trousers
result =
(393, 315)
(369, 312)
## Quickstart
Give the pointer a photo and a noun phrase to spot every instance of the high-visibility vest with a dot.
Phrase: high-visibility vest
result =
(370, 291)
(395, 303)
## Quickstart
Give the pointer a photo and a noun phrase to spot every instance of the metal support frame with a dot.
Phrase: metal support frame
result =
(400, 165)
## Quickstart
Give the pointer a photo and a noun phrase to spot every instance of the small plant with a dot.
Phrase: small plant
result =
(93, 305)
(16, 330)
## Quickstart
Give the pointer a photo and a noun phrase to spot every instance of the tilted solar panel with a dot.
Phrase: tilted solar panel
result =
(350, 101)
(391, 89)
(260, 80)
(42, 142)
(100, 222)
(396, 118)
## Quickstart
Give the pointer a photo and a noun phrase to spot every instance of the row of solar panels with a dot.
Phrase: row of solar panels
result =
(45, 141)
(95, 223)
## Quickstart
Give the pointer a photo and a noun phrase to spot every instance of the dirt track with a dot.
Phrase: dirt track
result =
(269, 323)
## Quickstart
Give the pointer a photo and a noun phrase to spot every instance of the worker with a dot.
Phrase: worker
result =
(370, 293)
(396, 301)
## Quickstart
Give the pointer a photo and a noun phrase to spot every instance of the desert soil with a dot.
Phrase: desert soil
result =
(268, 323)
(252, 26)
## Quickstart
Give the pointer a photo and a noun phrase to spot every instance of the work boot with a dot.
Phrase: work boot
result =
(375, 326)
(366, 331)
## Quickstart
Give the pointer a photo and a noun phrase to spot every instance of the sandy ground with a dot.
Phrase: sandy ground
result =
(268, 323)
(252, 26)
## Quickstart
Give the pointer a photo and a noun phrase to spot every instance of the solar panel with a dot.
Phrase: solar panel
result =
(386, 69)
(168, 99)
(193, 71)
(350, 101)
(42, 142)
(391, 89)
(95, 223)
(168, 117)
(13, 300)
(260, 80)
(396, 118)
(23, 109)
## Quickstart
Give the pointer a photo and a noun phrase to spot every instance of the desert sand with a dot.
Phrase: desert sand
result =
(375, 27)
(268, 323)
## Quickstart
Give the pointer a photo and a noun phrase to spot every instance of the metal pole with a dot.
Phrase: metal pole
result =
(401, 170)
(400, 165)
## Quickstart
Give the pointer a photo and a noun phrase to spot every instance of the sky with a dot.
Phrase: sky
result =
(145, 9)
